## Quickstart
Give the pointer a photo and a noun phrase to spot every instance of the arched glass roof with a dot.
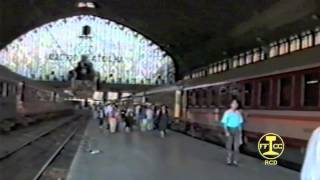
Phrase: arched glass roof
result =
(116, 52)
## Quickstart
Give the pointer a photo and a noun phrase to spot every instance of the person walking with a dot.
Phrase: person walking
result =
(100, 116)
(142, 118)
(105, 109)
(163, 119)
(156, 112)
(113, 117)
(311, 165)
(129, 119)
(149, 117)
(232, 122)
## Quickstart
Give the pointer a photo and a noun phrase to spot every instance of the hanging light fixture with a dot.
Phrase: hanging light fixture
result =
(86, 5)
(81, 5)
(91, 5)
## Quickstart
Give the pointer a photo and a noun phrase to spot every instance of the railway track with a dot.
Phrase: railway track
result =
(34, 138)
(32, 159)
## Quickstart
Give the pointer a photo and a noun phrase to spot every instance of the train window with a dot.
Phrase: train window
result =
(197, 98)
(285, 92)
(224, 100)
(263, 54)
(213, 98)
(190, 98)
(311, 89)
(1, 88)
(247, 94)
(13, 89)
(264, 93)
(204, 97)
(4, 89)
(235, 91)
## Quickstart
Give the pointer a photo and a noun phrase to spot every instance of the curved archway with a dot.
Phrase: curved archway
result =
(116, 52)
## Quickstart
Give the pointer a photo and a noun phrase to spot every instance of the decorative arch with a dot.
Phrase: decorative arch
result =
(116, 52)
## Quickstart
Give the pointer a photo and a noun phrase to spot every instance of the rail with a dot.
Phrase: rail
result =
(55, 154)
(6, 155)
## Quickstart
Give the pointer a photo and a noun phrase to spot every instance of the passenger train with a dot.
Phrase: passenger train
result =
(279, 95)
(24, 101)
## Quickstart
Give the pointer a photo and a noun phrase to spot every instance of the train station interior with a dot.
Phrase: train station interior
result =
(159, 89)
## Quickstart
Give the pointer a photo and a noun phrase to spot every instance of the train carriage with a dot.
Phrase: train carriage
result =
(24, 101)
(279, 96)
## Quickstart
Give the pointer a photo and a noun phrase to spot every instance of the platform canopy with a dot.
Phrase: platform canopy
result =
(116, 52)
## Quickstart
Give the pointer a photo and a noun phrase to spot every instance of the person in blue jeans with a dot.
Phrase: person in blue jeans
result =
(232, 122)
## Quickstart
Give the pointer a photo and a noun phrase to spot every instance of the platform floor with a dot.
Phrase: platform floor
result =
(146, 156)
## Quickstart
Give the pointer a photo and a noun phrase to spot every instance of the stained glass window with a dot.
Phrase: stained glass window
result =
(115, 51)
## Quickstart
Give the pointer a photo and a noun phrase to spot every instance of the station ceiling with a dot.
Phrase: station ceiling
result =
(193, 32)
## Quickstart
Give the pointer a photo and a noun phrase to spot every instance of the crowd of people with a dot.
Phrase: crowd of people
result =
(145, 117)
(149, 117)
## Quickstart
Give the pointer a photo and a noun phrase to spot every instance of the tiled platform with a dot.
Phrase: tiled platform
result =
(145, 156)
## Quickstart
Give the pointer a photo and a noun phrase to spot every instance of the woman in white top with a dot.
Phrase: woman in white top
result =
(311, 165)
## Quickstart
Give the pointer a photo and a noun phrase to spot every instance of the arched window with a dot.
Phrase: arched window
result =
(249, 57)
(111, 48)
(225, 65)
(215, 68)
(235, 61)
(211, 69)
(274, 50)
(220, 66)
(284, 47)
(317, 36)
(307, 39)
(241, 59)
(294, 43)
(256, 54)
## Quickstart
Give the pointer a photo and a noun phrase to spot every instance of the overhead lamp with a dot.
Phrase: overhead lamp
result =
(224, 53)
(87, 4)
(259, 39)
(315, 17)
(81, 5)
(91, 5)
(312, 82)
